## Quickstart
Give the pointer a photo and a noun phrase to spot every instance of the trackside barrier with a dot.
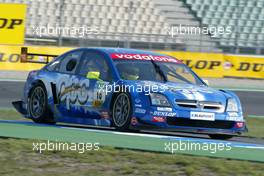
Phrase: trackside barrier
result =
(221, 65)
(10, 57)
(204, 64)
(244, 66)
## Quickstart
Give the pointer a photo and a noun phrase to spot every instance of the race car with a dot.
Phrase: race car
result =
(127, 89)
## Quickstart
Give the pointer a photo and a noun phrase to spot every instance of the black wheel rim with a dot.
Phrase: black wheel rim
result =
(37, 102)
(121, 110)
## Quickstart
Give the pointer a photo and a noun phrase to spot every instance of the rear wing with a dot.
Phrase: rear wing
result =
(26, 57)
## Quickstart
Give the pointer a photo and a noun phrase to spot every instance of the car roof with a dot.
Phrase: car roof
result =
(128, 51)
(110, 51)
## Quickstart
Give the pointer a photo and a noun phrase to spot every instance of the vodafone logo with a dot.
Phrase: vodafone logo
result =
(145, 57)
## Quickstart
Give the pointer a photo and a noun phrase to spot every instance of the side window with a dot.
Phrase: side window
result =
(70, 61)
(95, 64)
(54, 65)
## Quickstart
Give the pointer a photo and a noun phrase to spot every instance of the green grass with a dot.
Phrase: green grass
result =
(255, 127)
(10, 114)
(18, 158)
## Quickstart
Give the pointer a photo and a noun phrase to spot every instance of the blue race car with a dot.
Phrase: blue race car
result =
(127, 89)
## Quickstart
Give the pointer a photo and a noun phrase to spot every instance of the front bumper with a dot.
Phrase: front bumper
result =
(183, 119)
(191, 126)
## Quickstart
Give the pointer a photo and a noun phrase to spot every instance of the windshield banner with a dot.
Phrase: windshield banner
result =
(143, 57)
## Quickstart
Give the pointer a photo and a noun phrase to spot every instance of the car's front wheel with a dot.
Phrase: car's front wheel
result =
(38, 106)
(121, 112)
(220, 136)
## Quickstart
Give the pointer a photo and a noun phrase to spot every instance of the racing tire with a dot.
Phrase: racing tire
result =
(38, 105)
(122, 112)
(220, 136)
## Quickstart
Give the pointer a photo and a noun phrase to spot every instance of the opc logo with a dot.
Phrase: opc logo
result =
(10, 23)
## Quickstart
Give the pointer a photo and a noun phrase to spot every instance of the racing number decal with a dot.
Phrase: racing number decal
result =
(99, 96)
(99, 93)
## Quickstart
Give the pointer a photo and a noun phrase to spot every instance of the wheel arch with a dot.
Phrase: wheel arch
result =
(42, 83)
(115, 93)
(34, 83)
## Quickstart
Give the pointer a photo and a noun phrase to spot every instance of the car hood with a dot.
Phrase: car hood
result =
(196, 92)
(183, 91)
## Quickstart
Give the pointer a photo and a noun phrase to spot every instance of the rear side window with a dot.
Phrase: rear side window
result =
(70, 61)
(54, 65)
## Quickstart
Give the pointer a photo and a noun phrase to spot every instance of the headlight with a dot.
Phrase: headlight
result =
(159, 100)
(232, 105)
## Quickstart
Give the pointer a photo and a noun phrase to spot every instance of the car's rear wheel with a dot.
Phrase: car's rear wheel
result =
(38, 105)
(220, 136)
(121, 112)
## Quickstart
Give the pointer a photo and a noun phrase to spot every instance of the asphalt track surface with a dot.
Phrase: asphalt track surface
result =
(252, 102)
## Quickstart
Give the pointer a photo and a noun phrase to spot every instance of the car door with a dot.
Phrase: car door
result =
(94, 71)
(67, 84)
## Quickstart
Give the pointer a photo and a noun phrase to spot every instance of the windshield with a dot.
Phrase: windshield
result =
(158, 71)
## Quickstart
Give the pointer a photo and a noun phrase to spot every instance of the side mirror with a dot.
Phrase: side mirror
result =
(206, 81)
(93, 75)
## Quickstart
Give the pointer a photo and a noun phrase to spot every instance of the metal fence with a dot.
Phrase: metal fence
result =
(163, 41)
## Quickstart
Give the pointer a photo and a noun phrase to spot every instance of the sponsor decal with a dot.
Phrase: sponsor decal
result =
(144, 57)
(138, 105)
(71, 90)
(75, 91)
(99, 93)
(134, 121)
(227, 65)
(204, 64)
(245, 66)
(239, 124)
(97, 103)
(105, 115)
(234, 116)
(202, 116)
(140, 110)
(12, 23)
(161, 113)
(137, 100)
(158, 119)
(164, 109)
